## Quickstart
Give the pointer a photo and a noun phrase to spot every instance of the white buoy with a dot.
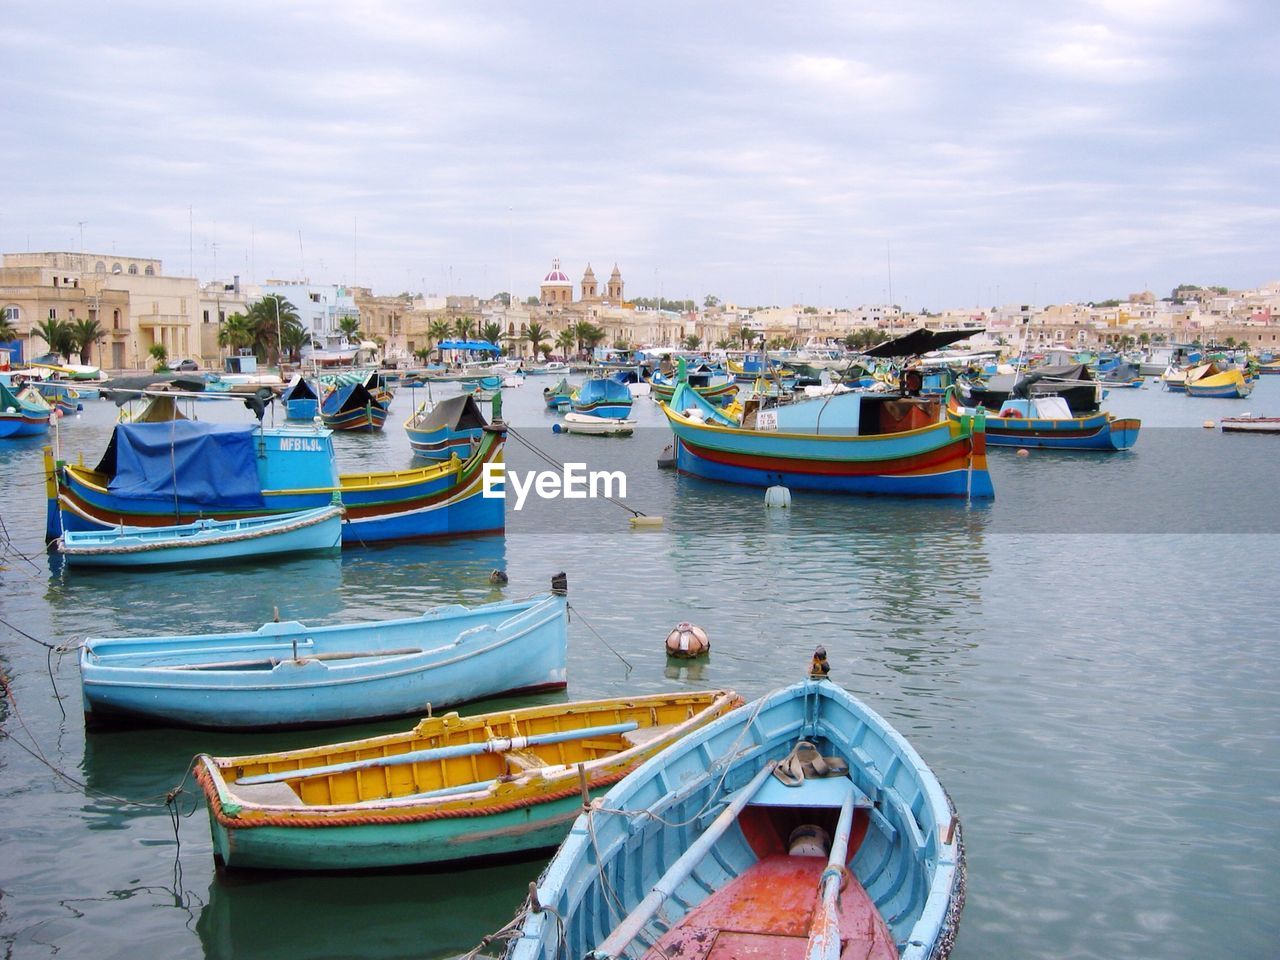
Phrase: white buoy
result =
(1208, 424)
(777, 496)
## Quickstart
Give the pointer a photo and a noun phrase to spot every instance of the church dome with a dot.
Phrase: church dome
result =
(556, 276)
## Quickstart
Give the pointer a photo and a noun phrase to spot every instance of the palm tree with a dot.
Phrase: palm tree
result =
(235, 332)
(581, 332)
(692, 342)
(536, 334)
(267, 319)
(7, 330)
(437, 332)
(292, 337)
(349, 327)
(593, 335)
(566, 341)
(57, 334)
(492, 332)
(724, 343)
(462, 328)
(86, 333)
(746, 336)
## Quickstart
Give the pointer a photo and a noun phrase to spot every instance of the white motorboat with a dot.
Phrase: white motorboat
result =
(600, 426)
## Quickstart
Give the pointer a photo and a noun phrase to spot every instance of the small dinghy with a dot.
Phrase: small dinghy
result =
(1248, 424)
(292, 675)
(600, 426)
(798, 826)
(452, 788)
(205, 541)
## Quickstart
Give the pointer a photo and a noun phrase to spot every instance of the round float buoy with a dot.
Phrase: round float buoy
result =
(556, 428)
(1208, 424)
(777, 496)
(687, 641)
(1024, 452)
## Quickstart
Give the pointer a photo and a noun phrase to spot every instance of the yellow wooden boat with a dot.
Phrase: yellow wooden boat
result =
(452, 788)
(1208, 380)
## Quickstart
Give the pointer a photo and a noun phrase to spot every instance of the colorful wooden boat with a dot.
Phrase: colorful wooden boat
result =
(453, 788)
(718, 393)
(205, 541)
(156, 475)
(352, 407)
(798, 826)
(22, 416)
(1248, 424)
(450, 428)
(597, 426)
(930, 455)
(558, 397)
(1208, 380)
(60, 396)
(1269, 367)
(291, 675)
(301, 399)
(602, 397)
(1047, 422)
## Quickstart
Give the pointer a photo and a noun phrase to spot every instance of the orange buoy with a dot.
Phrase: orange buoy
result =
(1024, 452)
(688, 641)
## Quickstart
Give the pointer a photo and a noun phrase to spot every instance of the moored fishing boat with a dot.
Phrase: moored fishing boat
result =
(883, 445)
(599, 426)
(559, 396)
(205, 541)
(301, 399)
(452, 788)
(291, 675)
(60, 396)
(352, 407)
(1208, 380)
(800, 825)
(1048, 422)
(719, 393)
(22, 416)
(450, 427)
(602, 397)
(163, 474)
(1248, 424)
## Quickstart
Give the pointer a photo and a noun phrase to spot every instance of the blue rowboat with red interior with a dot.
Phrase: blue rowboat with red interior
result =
(352, 407)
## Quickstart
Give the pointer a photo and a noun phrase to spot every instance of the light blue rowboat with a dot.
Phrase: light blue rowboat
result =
(292, 675)
(704, 844)
(205, 541)
(602, 397)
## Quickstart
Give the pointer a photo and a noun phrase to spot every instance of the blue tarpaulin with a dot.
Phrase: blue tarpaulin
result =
(469, 345)
(209, 464)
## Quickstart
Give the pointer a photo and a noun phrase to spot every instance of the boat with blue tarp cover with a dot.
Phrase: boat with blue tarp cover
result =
(352, 407)
(205, 541)
(559, 396)
(602, 397)
(450, 427)
(164, 474)
(798, 826)
(1048, 422)
(301, 399)
(291, 675)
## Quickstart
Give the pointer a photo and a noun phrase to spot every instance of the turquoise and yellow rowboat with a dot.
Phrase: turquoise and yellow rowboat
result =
(452, 788)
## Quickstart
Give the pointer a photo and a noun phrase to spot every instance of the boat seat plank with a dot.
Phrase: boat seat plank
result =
(268, 794)
(813, 792)
(766, 913)
(523, 760)
(644, 735)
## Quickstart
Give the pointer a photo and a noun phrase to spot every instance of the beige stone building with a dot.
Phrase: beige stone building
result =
(133, 301)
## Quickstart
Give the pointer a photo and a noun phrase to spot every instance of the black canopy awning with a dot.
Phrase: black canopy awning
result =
(919, 341)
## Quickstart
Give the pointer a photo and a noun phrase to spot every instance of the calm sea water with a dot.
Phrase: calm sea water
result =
(1088, 664)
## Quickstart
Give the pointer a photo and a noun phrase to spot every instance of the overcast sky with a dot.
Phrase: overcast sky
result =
(967, 153)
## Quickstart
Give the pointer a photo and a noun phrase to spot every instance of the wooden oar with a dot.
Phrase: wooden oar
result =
(273, 661)
(497, 745)
(824, 929)
(634, 922)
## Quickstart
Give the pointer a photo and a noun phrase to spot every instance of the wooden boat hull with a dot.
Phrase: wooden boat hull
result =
(602, 398)
(1101, 431)
(205, 541)
(941, 460)
(368, 419)
(22, 424)
(1250, 424)
(339, 822)
(443, 499)
(303, 409)
(338, 674)
(720, 393)
(1224, 387)
(905, 855)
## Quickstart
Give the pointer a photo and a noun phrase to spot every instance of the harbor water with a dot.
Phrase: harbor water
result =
(1086, 662)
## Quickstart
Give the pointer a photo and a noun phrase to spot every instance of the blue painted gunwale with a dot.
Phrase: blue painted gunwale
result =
(463, 654)
(1099, 431)
(602, 397)
(20, 417)
(911, 861)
